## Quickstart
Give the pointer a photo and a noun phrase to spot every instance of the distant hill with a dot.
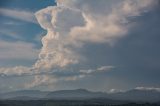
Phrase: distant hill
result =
(134, 95)
(75, 94)
(23, 98)
(24, 93)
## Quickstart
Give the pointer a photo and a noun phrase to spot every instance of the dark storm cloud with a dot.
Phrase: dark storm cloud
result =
(135, 56)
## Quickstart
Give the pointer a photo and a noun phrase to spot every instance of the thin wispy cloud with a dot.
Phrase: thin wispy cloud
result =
(9, 32)
(22, 15)
(12, 23)
(17, 50)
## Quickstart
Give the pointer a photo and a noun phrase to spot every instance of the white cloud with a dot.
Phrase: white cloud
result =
(55, 52)
(17, 71)
(98, 70)
(87, 71)
(74, 22)
(115, 91)
(105, 68)
(18, 14)
(148, 88)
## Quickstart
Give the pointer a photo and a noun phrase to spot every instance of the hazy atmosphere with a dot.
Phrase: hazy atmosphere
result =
(99, 45)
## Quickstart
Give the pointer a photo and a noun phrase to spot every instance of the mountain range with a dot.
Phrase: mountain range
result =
(135, 95)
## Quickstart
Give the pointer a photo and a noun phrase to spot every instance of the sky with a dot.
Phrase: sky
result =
(99, 45)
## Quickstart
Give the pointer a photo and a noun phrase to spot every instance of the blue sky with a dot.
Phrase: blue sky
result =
(15, 29)
(123, 57)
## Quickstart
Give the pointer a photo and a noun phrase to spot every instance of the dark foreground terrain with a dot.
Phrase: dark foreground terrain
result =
(66, 103)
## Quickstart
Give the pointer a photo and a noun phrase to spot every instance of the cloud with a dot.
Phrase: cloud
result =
(105, 68)
(18, 71)
(18, 14)
(115, 91)
(148, 88)
(13, 34)
(41, 80)
(47, 78)
(73, 23)
(17, 50)
(53, 53)
(99, 69)
(70, 25)
(137, 88)
(11, 23)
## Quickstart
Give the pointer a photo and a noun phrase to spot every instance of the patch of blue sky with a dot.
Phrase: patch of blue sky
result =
(13, 29)
(32, 5)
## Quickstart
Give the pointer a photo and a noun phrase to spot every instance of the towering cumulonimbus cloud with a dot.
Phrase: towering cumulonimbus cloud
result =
(76, 22)
(73, 23)
(58, 22)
